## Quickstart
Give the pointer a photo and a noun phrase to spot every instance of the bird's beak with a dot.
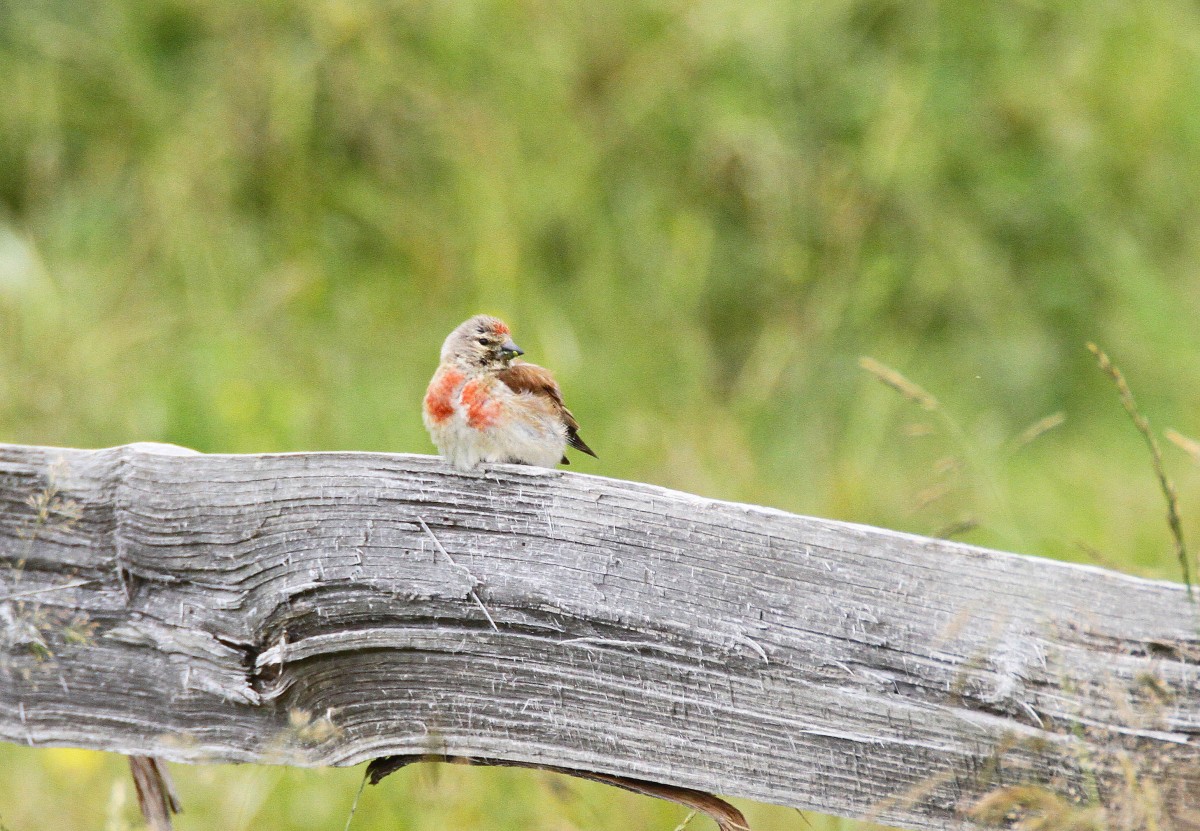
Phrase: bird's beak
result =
(510, 350)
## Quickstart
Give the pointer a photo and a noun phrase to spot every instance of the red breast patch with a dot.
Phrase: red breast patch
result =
(438, 401)
(482, 410)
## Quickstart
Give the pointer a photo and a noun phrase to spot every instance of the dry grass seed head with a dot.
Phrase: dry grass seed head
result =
(899, 383)
(1168, 487)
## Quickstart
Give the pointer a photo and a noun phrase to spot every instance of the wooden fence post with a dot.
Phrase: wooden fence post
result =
(331, 608)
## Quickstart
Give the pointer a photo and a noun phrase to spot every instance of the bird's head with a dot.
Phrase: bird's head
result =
(480, 344)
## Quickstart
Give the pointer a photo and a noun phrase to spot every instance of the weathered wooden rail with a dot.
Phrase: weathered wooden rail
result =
(330, 608)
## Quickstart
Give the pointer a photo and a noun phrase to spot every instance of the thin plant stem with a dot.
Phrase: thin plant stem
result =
(1168, 487)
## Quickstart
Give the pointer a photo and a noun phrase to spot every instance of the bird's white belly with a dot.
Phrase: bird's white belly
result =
(531, 440)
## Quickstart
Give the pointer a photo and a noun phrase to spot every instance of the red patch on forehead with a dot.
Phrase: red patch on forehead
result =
(482, 409)
(500, 328)
(439, 401)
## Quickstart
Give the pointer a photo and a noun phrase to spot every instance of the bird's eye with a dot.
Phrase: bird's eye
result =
(483, 341)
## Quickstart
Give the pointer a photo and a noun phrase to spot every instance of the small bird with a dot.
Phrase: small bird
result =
(483, 407)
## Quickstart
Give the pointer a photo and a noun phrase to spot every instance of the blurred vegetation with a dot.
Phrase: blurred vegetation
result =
(246, 227)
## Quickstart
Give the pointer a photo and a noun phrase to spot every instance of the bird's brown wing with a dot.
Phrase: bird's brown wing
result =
(538, 380)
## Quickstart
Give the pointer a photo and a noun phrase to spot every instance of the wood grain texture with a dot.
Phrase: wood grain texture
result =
(296, 609)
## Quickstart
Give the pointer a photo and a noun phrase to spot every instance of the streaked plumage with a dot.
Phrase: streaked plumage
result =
(483, 407)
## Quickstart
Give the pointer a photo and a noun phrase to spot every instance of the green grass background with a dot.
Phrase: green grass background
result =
(246, 227)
